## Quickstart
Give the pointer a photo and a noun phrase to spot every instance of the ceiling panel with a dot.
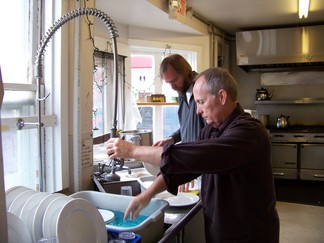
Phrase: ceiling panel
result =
(229, 15)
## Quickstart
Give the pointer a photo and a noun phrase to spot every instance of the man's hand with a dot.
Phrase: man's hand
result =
(119, 148)
(162, 142)
(186, 187)
(136, 205)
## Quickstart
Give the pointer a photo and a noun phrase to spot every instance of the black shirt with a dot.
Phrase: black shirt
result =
(237, 189)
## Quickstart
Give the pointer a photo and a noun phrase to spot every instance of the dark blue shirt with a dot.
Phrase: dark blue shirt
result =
(190, 123)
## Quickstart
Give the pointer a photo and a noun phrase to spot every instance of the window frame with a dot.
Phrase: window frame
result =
(54, 134)
(191, 54)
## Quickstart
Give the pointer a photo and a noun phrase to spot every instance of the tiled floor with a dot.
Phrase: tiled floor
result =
(300, 223)
(300, 207)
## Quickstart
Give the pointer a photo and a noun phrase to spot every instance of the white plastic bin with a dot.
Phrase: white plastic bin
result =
(151, 229)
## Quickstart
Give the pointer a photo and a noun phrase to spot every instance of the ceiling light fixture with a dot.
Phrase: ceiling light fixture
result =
(303, 8)
(175, 4)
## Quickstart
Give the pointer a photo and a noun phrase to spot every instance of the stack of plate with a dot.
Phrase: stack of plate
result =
(35, 215)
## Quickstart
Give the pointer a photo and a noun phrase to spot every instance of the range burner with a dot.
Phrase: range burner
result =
(298, 129)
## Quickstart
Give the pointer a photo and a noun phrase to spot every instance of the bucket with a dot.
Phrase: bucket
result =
(138, 137)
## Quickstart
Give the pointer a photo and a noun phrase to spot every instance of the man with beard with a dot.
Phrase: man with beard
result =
(176, 71)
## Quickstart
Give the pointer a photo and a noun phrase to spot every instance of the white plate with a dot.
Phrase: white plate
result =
(17, 230)
(106, 215)
(19, 202)
(13, 192)
(181, 200)
(51, 215)
(38, 214)
(28, 210)
(77, 221)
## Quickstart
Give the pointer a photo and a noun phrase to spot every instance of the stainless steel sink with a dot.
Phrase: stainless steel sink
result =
(115, 186)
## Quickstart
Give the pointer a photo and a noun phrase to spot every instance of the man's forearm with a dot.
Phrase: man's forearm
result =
(148, 154)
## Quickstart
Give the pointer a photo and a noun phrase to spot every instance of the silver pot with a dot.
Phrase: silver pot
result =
(282, 121)
(138, 137)
(264, 118)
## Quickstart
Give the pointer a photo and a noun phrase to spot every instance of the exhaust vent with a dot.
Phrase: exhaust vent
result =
(286, 49)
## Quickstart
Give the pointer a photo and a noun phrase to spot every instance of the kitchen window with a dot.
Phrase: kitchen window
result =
(18, 47)
(103, 92)
(161, 119)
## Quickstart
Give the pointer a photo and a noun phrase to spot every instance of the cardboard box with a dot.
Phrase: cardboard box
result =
(158, 98)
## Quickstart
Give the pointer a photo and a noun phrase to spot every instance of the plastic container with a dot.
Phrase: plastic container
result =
(146, 181)
(150, 230)
(113, 234)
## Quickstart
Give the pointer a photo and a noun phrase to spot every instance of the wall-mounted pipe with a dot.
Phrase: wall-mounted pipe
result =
(76, 168)
(39, 68)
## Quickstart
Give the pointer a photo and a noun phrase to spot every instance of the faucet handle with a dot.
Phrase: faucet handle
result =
(44, 98)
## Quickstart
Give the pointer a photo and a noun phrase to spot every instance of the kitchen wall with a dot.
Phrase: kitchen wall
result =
(248, 82)
(149, 38)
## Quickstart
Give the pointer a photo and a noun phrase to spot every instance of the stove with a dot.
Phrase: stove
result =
(298, 152)
(297, 134)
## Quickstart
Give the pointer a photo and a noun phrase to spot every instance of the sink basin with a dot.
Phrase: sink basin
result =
(146, 181)
(115, 186)
(151, 229)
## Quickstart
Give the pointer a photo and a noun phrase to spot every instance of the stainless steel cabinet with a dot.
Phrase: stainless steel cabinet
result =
(312, 162)
(284, 160)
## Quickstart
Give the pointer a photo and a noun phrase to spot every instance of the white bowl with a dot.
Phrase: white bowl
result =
(152, 169)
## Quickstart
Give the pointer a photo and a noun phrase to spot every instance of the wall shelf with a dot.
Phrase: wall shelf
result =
(302, 101)
(156, 103)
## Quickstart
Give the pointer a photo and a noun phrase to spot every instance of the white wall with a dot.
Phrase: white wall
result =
(150, 38)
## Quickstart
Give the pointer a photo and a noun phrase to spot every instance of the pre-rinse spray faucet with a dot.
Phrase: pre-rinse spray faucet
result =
(39, 68)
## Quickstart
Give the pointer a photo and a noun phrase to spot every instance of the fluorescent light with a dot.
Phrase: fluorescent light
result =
(303, 8)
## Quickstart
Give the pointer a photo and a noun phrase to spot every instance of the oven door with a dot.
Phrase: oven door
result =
(284, 160)
(312, 162)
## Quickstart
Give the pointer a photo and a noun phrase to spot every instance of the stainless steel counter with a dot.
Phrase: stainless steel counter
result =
(175, 220)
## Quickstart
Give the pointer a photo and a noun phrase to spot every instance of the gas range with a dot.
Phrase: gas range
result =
(297, 134)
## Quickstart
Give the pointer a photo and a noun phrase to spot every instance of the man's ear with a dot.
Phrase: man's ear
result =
(222, 94)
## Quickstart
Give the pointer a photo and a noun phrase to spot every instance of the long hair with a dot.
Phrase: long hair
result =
(179, 64)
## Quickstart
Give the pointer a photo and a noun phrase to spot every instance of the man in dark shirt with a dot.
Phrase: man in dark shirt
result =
(233, 156)
(176, 71)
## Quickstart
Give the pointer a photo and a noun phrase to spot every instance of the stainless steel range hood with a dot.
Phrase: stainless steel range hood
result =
(284, 49)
